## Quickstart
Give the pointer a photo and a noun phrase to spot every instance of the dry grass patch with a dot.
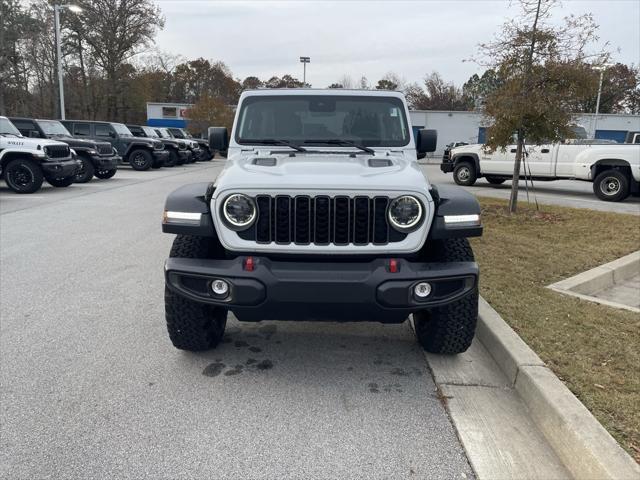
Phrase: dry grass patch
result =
(594, 349)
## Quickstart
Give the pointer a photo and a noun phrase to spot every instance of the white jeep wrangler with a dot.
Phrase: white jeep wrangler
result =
(26, 162)
(322, 213)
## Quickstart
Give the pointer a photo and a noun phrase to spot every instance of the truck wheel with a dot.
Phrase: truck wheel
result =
(495, 180)
(465, 174)
(23, 175)
(193, 326)
(140, 159)
(86, 170)
(449, 329)
(104, 174)
(611, 186)
(61, 182)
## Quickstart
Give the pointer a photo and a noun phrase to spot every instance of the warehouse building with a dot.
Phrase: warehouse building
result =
(167, 114)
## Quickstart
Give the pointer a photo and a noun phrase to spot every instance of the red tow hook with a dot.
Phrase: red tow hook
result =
(393, 266)
(249, 264)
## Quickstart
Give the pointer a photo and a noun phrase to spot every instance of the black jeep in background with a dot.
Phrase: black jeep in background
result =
(205, 152)
(178, 151)
(98, 158)
(140, 153)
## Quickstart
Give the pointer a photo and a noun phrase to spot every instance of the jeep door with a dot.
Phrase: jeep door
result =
(106, 133)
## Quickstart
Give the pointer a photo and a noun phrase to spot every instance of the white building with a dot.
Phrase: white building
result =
(167, 114)
(469, 126)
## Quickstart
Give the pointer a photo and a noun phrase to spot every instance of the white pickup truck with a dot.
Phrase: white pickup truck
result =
(614, 169)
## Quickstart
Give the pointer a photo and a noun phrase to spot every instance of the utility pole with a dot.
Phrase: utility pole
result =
(56, 11)
(602, 68)
(304, 61)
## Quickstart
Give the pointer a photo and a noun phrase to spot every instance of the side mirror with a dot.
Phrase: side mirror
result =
(427, 141)
(34, 134)
(218, 139)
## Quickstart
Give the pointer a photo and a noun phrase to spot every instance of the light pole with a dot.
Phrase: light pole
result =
(601, 68)
(56, 12)
(304, 61)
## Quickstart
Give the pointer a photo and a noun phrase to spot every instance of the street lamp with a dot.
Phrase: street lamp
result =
(601, 69)
(56, 11)
(304, 61)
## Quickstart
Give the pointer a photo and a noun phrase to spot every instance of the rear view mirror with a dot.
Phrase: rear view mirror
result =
(218, 139)
(427, 141)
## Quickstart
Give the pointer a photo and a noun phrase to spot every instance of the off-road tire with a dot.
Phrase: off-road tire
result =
(464, 173)
(140, 159)
(449, 329)
(61, 182)
(87, 170)
(173, 159)
(191, 325)
(104, 174)
(612, 185)
(495, 180)
(23, 175)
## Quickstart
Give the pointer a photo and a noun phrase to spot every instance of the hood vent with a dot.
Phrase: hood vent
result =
(265, 162)
(380, 162)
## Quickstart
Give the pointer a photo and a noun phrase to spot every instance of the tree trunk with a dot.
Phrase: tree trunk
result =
(513, 199)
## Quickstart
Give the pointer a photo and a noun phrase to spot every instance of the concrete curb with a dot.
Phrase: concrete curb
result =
(586, 284)
(587, 450)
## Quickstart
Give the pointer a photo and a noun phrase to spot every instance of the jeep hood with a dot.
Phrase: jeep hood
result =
(322, 171)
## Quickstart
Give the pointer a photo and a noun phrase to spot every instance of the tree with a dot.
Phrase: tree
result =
(336, 85)
(209, 112)
(436, 95)
(287, 81)
(384, 84)
(620, 86)
(251, 83)
(543, 70)
(477, 88)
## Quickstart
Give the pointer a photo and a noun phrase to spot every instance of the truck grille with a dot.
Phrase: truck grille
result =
(322, 220)
(104, 148)
(57, 151)
(158, 146)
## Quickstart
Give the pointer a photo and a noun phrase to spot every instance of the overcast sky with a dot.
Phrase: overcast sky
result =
(370, 38)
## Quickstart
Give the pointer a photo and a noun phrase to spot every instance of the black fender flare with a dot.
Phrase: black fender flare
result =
(610, 162)
(453, 200)
(191, 198)
(134, 146)
(461, 157)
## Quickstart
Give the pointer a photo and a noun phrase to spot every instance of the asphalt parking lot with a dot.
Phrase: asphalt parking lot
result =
(92, 387)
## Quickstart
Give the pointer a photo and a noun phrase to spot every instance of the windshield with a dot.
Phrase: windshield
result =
(150, 132)
(163, 132)
(6, 127)
(122, 129)
(51, 127)
(313, 119)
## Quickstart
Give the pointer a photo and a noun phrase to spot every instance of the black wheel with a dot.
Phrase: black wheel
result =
(23, 175)
(61, 182)
(464, 173)
(495, 180)
(140, 159)
(611, 186)
(173, 159)
(193, 326)
(449, 329)
(104, 174)
(86, 171)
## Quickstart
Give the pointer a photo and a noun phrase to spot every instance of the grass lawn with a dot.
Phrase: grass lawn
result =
(594, 349)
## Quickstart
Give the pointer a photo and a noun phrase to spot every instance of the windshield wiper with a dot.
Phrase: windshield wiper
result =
(287, 143)
(338, 141)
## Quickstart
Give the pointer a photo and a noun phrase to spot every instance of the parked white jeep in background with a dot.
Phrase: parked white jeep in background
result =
(25, 162)
(613, 168)
(322, 213)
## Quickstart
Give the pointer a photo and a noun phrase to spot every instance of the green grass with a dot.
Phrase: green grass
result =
(594, 349)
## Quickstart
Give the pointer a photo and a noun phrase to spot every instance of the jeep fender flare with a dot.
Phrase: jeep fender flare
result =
(467, 157)
(452, 201)
(8, 154)
(194, 199)
(134, 146)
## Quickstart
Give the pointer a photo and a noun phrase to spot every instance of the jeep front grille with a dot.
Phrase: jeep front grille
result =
(158, 146)
(57, 151)
(104, 149)
(322, 220)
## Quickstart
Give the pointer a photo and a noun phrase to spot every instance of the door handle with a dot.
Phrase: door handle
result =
(513, 150)
(545, 150)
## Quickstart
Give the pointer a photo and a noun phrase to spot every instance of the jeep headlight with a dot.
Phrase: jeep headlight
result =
(405, 213)
(239, 211)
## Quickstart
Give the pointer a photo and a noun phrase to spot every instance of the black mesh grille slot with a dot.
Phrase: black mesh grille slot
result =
(57, 151)
(263, 225)
(283, 220)
(361, 220)
(104, 148)
(380, 226)
(302, 225)
(322, 220)
(341, 221)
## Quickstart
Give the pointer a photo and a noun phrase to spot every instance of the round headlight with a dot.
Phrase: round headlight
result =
(239, 211)
(405, 212)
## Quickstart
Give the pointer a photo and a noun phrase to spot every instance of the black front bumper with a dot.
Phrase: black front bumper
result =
(184, 155)
(61, 168)
(446, 167)
(105, 163)
(358, 291)
(160, 157)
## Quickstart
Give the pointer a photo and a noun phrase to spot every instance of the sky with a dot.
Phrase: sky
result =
(365, 37)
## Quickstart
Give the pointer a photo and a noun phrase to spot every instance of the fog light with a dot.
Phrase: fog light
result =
(220, 287)
(422, 290)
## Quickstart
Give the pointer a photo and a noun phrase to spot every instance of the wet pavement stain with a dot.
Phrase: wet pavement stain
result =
(241, 343)
(234, 371)
(255, 349)
(268, 331)
(250, 361)
(373, 387)
(265, 365)
(213, 369)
